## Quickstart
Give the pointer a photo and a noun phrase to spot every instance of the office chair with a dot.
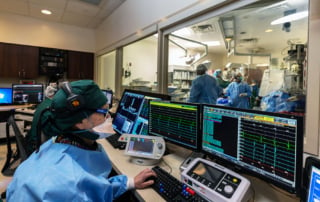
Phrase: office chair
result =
(14, 158)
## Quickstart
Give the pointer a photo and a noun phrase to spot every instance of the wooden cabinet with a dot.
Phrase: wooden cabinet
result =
(80, 65)
(28, 62)
(19, 61)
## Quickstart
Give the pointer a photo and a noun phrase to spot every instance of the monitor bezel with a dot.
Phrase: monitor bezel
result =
(10, 89)
(199, 127)
(110, 92)
(144, 93)
(23, 103)
(299, 152)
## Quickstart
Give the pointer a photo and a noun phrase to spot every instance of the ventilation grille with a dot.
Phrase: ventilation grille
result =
(204, 28)
(93, 2)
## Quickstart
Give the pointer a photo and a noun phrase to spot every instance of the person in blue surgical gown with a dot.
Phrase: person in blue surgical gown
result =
(72, 166)
(239, 93)
(204, 88)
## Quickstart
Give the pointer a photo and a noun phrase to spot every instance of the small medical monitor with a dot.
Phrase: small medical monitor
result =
(176, 122)
(5, 96)
(133, 111)
(109, 95)
(267, 145)
(27, 93)
(314, 185)
(140, 146)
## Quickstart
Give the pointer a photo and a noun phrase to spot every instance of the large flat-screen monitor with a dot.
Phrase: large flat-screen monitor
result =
(27, 93)
(268, 145)
(176, 122)
(109, 95)
(5, 96)
(133, 111)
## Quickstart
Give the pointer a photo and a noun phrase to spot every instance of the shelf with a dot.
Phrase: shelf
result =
(52, 61)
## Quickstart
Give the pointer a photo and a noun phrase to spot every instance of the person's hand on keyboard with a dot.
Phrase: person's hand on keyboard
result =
(144, 178)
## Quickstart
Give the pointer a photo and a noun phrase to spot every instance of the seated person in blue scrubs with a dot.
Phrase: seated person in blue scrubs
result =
(72, 166)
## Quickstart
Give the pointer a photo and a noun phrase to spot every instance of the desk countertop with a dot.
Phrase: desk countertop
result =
(171, 163)
(11, 107)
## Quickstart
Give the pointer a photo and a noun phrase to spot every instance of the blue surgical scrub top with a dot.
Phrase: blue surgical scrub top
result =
(204, 89)
(63, 172)
(234, 89)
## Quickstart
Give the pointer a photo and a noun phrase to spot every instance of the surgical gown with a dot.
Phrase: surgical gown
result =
(204, 89)
(234, 90)
(63, 172)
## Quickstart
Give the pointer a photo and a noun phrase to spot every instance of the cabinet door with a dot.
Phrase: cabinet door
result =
(11, 57)
(87, 66)
(19, 61)
(30, 62)
(80, 65)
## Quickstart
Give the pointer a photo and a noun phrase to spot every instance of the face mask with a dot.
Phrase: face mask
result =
(100, 130)
(94, 133)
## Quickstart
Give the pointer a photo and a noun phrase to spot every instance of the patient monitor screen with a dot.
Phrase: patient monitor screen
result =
(140, 146)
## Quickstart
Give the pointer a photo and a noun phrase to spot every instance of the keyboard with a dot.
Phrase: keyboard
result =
(113, 140)
(171, 189)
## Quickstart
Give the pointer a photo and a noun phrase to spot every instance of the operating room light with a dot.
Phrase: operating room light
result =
(290, 18)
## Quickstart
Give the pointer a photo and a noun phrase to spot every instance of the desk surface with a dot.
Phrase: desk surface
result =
(171, 163)
(11, 107)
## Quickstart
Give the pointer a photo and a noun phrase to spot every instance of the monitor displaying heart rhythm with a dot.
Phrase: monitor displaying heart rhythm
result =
(177, 122)
(266, 145)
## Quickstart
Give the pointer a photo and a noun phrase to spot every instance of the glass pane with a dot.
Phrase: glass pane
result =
(265, 42)
(106, 71)
(140, 65)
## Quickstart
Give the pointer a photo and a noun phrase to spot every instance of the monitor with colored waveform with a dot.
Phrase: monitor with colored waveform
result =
(176, 122)
(267, 145)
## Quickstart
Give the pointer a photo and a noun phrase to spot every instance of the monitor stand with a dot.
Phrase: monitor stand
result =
(189, 159)
(144, 161)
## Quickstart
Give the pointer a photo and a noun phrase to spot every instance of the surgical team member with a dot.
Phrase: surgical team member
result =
(204, 88)
(218, 75)
(239, 93)
(72, 166)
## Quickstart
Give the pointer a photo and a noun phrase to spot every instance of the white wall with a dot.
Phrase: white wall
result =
(130, 18)
(30, 31)
(142, 56)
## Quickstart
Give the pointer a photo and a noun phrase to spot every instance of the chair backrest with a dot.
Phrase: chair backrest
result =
(14, 158)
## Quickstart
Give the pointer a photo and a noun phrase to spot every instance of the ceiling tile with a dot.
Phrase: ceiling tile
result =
(35, 11)
(82, 8)
(50, 3)
(77, 12)
(15, 6)
(75, 19)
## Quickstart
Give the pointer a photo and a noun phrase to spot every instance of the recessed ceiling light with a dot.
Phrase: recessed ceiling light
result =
(268, 30)
(46, 12)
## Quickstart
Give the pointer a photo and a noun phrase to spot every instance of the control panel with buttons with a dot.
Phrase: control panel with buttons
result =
(215, 182)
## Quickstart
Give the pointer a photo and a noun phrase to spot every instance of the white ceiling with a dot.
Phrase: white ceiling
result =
(82, 13)
(250, 24)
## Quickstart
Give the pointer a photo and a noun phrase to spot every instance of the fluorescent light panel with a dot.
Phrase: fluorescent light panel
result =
(290, 18)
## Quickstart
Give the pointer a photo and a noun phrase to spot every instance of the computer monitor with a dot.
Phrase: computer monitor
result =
(314, 185)
(5, 96)
(27, 93)
(267, 145)
(109, 95)
(133, 110)
(176, 122)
